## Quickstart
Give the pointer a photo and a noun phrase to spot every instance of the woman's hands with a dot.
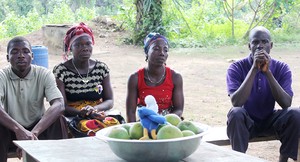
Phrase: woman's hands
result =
(86, 111)
(91, 112)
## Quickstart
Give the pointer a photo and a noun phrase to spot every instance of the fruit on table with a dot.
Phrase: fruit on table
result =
(168, 132)
(188, 125)
(173, 119)
(187, 133)
(160, 126)
(119, 133)
(127, 127)
(136, 131)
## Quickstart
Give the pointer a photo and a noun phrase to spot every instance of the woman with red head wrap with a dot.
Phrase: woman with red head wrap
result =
(75, 32)
(84, 82)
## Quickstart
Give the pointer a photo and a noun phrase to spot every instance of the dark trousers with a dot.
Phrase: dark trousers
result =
(58, 130)
(284, 124)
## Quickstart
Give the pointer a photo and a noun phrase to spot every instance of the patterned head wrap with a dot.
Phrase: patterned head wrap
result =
(75, 32)
(150, 38)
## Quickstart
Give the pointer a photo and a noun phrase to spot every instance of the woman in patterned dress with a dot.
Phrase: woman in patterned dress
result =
(84, 82)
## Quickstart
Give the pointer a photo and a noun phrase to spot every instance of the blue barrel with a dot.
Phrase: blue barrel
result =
(40, 56)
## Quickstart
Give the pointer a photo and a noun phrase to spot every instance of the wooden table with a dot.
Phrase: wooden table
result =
(90, 149)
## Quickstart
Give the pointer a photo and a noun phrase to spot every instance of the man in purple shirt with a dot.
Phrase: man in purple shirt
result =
(254, 84)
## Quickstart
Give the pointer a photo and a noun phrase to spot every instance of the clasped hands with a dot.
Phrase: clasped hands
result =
(261, 60)
(23, 134)
(91, 112)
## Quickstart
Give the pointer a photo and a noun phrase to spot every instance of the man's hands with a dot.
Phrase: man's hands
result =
(261, 60)
(23, 134)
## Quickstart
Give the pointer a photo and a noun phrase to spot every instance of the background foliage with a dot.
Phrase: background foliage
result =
(187, 23)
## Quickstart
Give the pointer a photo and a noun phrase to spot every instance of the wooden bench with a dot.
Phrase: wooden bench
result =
(12, 155)
(218, 136)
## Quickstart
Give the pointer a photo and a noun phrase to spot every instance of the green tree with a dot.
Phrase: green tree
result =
(21, 7)
(46, 6)
(85, 14)
(148, 19)
(76, 4)
(14, 24)
(231, 7)
(3, 10)
(61, 14)
(265, 11)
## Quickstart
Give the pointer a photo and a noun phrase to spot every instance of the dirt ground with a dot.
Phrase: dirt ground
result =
(203, 72)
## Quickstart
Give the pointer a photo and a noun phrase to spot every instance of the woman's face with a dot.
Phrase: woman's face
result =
(158, 52)
(82, 48)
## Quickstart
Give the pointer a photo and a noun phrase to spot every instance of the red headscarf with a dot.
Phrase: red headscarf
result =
(75, 32)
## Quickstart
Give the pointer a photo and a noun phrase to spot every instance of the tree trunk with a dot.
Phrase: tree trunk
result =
(139, 14)
(148, 19)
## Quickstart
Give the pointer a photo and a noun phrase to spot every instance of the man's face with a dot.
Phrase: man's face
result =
(260, 40)
(20, 56)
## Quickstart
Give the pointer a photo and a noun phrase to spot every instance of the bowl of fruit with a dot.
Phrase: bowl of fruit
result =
(174, 141)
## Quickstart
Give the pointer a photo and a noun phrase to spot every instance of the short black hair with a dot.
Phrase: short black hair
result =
(17, 39)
